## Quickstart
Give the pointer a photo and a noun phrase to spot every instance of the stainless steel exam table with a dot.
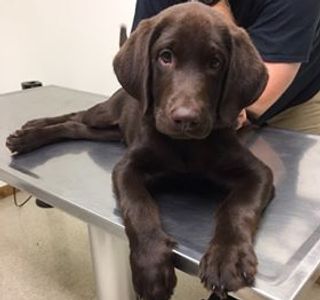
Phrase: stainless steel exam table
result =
(74, 176)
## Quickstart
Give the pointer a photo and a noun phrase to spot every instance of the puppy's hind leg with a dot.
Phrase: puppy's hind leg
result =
(28, 139)
(106, 114)
(99, 123)
(42, 122)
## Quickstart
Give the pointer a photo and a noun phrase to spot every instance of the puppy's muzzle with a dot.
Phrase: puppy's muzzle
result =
(185, 118)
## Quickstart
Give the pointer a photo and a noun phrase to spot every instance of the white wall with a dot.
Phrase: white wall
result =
(63, 42)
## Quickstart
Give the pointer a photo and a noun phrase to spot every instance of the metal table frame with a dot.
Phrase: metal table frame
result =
(287, 244)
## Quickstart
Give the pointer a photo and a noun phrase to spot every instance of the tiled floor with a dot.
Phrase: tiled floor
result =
(44, 255)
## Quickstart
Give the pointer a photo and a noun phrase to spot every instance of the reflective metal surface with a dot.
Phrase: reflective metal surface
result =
(110, 258)
(75, 176)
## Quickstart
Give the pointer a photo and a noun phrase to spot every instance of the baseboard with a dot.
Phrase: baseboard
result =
(5, 190)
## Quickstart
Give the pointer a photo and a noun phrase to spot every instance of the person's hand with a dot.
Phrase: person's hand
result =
(223, 7)
(242, 120)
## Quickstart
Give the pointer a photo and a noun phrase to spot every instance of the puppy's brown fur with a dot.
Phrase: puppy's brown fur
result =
(186, 74)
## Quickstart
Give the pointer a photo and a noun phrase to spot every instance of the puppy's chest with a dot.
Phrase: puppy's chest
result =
(193, 158)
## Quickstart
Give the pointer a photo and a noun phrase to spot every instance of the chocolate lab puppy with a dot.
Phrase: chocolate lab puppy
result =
(186, 74)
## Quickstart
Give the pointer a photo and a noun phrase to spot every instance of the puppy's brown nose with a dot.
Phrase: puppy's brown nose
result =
(185, 117)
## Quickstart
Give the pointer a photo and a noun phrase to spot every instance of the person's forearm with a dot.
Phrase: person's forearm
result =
(281, 76)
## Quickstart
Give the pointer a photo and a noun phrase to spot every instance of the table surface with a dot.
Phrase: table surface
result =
(75, 177)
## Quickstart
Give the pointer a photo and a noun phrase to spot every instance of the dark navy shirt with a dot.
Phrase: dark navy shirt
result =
(285, 31)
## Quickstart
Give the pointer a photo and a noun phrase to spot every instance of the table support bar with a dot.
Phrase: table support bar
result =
(110, 257)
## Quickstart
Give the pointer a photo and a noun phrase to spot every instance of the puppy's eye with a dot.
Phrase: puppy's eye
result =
(166, 56)
(215, 64)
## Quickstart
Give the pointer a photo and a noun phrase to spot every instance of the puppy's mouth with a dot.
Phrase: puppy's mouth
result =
(187, 135)
(183, 131)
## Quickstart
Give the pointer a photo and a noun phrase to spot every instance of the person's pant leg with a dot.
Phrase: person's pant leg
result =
(148, 8)
(303, 118)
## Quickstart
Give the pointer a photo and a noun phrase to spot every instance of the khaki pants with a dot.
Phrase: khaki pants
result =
(303, 118)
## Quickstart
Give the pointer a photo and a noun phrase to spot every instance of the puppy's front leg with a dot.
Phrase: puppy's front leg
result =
(230, 262)
(151, 254)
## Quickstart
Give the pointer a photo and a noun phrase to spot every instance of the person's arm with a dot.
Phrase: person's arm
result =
(281, 75)
(224, 7)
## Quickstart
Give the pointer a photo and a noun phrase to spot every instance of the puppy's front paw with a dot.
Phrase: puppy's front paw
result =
(227, 268)
(153, 269)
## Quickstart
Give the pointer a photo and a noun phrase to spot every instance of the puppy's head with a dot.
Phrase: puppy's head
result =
(192, 70)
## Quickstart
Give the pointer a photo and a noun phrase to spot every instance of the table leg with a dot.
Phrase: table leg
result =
(110, 257)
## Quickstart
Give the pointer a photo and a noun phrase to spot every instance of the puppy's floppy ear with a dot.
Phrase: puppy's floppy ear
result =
(132, 63)
(246, 77)
(123, 35)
